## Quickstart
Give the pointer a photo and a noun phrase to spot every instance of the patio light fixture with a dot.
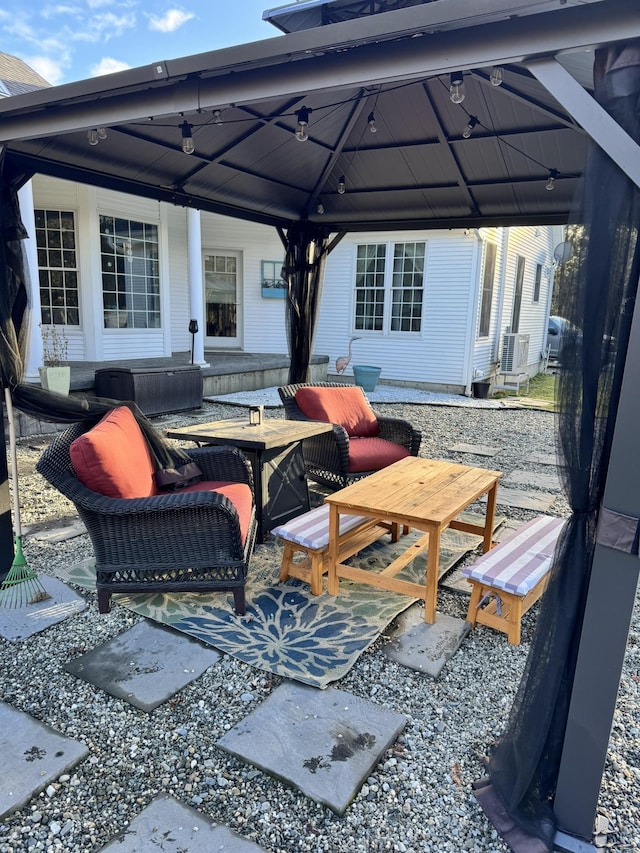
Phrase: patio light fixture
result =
(187, 139)
(341, 185)
(551, 183)
(371, 121)
(473, 121)
(497, 76)
(303, 122)
(456, 87)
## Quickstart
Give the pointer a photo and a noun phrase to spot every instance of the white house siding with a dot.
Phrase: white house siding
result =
(263, 320)
(436, 355)
(536, 246)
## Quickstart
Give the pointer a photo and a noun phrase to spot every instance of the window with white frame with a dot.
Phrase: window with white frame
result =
(537, 282)
(57, 267)
(129, 254)
(389, 287)
(488, 278)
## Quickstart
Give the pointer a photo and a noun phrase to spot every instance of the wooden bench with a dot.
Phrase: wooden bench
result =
(309, 534)
(507, 580)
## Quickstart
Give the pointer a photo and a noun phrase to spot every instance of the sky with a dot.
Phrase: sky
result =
(77, 39)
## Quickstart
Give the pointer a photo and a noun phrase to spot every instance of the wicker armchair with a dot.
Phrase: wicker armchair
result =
(326, 456)
(170, 542)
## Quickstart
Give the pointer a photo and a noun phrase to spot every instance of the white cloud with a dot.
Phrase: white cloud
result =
(107, 65)
(53, 72)
(170, 21)
(102, 28)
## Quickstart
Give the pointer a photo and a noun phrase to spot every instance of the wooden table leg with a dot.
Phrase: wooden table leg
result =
(333, 582)
(489, 518)
(431, 587)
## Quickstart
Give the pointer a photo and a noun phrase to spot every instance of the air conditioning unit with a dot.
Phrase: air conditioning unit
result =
(515, 353)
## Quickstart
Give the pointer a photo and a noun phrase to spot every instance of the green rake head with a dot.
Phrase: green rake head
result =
(21, 586)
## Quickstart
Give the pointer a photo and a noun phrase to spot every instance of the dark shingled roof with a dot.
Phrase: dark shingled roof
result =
(17, 78)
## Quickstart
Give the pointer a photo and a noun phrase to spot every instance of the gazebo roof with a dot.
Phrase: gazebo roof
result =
(242, 106)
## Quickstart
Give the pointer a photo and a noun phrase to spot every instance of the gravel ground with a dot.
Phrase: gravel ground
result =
(417, 799)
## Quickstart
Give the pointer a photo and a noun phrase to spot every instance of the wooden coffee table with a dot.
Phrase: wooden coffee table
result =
(274, 450)
(424, 494)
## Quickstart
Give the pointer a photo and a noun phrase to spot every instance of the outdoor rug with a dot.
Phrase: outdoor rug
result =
(286, 630)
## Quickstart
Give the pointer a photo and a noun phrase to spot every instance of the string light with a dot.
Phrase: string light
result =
(92, 136)
(303, 123)
(456, 87)
(217, 116)
(102, 133)
(551, 183)
(473, 121)
(187, 139)
(320, 207)
(341, 185)
(371, 121)
(497, 76)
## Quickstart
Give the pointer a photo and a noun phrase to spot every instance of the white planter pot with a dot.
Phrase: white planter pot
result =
(56, 379)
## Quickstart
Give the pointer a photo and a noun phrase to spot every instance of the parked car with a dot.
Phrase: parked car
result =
(556, 329)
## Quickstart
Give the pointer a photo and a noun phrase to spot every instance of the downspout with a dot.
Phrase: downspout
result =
(472, 313)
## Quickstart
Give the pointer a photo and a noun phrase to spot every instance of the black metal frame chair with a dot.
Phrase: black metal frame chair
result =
(326, 456)
(170, 542)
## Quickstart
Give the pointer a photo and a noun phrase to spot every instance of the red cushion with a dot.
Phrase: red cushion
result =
(238, 493)
(113, 457)
(372, 454)
(345, 406)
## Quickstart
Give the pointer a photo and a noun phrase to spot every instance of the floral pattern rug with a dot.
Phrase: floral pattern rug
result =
(286, 630)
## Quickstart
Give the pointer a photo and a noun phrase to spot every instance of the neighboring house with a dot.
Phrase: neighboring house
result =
(430, 308)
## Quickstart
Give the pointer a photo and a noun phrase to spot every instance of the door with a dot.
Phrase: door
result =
(222, 294)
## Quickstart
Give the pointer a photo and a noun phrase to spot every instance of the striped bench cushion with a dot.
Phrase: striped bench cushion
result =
(520, 561)
(311, 529)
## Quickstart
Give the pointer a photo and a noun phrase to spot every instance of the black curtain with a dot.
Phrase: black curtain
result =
(597, 289)
(14, 331)
(307, 246)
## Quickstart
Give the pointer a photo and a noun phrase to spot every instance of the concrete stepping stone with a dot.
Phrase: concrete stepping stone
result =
(543, 458)
(18, 623)
(33, 756)
(422, 647)
(476, 449)
(534, 478)
(539, 502)
(173, 827)
(145, 665)
(60, 533)
(324, 742)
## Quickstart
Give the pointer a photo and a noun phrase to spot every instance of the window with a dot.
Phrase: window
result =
(517, 295)
(273, 285)
(130, 273)
(57, 267)
(487, 289)
(536, 284)
(389, 287)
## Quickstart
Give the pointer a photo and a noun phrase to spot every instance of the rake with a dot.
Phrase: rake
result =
(21, 586)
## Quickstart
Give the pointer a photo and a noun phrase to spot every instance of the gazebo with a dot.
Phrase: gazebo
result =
(407, 114)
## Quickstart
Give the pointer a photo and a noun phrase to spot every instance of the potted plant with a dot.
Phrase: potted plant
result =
(55, 375)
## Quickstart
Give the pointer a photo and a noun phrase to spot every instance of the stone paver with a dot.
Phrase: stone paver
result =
(476, 449)
(33, 756)
(543, 458)
(422, 647)
(60, 533)
(324, 742)
(145, 665)
(539, 502)
(18, 623)
(172, 827)
(533, 478)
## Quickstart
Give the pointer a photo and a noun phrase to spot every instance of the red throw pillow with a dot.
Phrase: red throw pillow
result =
(372, 454)
(113, 457)
(345, 406)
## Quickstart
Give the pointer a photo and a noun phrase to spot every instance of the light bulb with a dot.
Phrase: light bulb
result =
(320, 207)
(473, 121)
(187, 140)
(217, 116)
(497, 76)
(303, 122)
(92, 136)
(371, 121)
(102, 133)
(456, 88)
(341, 185)
(551, 183)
